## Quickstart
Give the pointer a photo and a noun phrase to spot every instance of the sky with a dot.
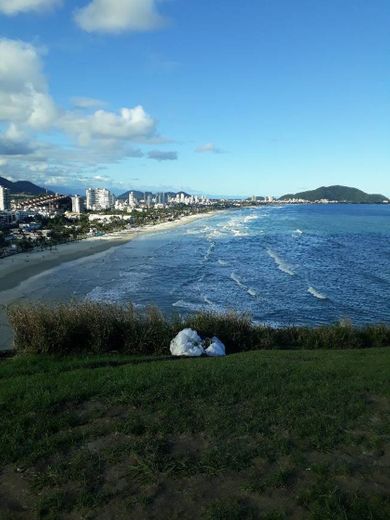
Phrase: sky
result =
(221, 97)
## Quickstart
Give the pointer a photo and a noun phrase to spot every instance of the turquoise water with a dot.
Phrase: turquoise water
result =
(283, 265)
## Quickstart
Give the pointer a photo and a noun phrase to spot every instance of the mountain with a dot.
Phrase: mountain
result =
(25, 187)
(140, 194)
(337, 193)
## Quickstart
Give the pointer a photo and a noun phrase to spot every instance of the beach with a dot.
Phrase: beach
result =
(17, 269)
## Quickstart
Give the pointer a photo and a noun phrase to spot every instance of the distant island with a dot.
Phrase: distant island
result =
(337, 194)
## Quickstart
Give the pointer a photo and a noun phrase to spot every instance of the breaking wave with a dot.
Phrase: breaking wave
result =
(222, 262)
(237, 279)
(100, 294)
(251, 217)
(209, 251)
(187, 305)
(317, 294)
(281, 264)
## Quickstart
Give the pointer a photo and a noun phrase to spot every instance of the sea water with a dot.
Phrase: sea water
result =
(303, 264)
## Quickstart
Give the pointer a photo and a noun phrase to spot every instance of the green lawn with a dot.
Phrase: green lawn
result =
(266, 434)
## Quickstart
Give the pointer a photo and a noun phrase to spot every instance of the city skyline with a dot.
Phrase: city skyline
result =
(268, 98)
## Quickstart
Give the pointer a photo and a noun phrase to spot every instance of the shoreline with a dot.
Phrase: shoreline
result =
(16, 270)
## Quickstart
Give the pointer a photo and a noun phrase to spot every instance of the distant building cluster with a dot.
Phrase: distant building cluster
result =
(21, 208)
(102, 199)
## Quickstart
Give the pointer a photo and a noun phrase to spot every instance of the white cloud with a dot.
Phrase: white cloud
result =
(115, 16)
(208, 148)
(131, 124)
(24, 96)
(13, 7)
(91, 138)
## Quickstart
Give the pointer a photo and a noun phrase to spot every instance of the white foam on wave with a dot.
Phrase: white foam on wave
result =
(204, 230)
(297, 233)
(248, 218)
(317, 294)
(209, 251)
(100, 294)
(236, 279)
(214, 234)
(281, 264)
(187, 305)
(222, 262)
(207, 300)
(239, 233)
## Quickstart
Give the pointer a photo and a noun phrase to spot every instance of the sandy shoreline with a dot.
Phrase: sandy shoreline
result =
(16, 269)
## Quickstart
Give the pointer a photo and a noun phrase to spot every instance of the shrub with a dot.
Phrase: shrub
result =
(98, 328)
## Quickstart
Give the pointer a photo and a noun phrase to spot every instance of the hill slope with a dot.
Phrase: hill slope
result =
(255, 435)
(26, 187)
(338, 193)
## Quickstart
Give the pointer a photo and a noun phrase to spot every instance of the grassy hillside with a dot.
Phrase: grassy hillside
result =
(338, 193)
(270, 435)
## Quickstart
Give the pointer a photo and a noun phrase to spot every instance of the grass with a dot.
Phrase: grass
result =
(100, 328)
(269, 435)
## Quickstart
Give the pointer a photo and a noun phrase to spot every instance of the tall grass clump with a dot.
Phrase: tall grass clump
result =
(99, 328)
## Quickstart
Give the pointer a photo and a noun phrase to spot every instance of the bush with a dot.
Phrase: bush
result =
(98, 328)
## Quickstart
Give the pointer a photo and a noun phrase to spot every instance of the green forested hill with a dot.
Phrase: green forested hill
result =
(26, 187)
(338, 193)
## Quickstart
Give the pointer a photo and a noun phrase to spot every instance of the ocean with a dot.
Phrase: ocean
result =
(302, 265)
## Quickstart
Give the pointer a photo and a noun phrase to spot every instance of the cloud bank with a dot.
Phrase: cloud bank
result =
(86, 137)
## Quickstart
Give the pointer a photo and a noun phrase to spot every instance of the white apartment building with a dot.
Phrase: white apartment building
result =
(132, 200)
(77, 204)
(99, 199)
(5, 199)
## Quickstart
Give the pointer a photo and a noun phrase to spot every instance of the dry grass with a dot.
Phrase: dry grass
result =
(99, 328)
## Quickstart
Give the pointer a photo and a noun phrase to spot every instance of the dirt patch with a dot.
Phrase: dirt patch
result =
(122, 469)
(16, 496)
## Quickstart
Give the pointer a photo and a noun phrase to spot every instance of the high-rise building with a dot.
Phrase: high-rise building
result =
(77, 204)
(132, 200)
(161, 198)
(5, 199)
(99, 199)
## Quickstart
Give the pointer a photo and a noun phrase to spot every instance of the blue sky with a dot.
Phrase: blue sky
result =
(220, 97)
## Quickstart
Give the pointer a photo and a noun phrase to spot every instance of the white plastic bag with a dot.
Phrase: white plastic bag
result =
(187, 343)
(216, 348)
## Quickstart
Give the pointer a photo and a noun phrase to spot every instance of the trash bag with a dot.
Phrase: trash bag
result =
(216, 348)
(187, 343)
